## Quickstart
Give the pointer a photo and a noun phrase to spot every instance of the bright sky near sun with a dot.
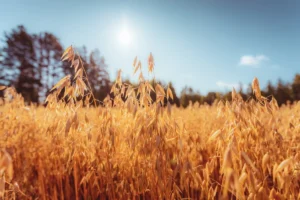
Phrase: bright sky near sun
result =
(205, 44)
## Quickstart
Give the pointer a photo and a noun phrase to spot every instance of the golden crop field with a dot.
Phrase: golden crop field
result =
(139, 149)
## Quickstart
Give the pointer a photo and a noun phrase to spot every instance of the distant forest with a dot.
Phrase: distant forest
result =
(32, 64)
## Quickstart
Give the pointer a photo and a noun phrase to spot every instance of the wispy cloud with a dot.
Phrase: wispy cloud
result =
(253, 61)
(229, 86)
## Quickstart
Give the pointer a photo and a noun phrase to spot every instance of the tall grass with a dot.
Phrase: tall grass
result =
(132, 147)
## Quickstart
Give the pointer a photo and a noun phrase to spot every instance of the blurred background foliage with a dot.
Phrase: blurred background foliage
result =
(31, 63)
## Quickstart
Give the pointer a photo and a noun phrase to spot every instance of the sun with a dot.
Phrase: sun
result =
(125, 37)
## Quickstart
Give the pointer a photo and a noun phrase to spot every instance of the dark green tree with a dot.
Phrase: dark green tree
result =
(188, 95)
(50, 68)
(296, 87)
(283, 93)
(18, 64)
(269, 91)
(211, 97)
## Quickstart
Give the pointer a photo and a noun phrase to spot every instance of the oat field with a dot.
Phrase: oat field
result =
(134, 147)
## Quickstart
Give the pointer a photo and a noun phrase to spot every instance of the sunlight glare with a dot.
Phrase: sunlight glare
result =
(125, 37)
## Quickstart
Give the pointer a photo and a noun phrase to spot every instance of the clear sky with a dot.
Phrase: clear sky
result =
(205, 44)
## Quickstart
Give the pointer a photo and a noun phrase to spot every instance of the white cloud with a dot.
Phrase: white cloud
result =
(253, 61)
(229, 86)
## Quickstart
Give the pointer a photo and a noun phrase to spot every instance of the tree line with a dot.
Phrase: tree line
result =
(32, 64)
(284, 93)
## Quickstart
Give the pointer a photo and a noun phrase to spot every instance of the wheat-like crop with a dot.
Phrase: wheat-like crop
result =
(137, 147)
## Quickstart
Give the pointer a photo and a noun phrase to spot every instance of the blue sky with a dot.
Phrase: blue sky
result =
(206, 44)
